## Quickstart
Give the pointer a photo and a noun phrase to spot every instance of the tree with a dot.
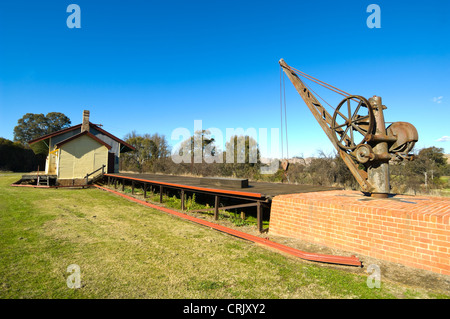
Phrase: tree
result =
(321, 170)
(56, 121)
(149, 149)
(342, 174)
(15, 157)
(198, 151)
(32, 126)
(429, 164)
(198, 146)
(242, 157)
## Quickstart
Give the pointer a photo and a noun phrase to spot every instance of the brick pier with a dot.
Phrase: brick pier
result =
(410, 230)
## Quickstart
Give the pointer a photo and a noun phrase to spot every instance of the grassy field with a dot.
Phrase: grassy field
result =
(125, 250)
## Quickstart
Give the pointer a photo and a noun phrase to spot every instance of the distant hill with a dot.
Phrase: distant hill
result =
(448, 158)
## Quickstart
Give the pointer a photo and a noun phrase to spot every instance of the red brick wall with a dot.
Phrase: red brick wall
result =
(411, 230)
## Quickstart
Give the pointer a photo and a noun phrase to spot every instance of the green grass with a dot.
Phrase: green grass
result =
(126, 250)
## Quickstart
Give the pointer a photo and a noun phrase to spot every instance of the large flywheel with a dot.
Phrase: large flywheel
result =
(352, 121)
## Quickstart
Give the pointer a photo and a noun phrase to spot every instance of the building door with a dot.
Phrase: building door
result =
(111, 162)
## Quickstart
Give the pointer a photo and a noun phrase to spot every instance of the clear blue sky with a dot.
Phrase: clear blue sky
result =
(154, 66)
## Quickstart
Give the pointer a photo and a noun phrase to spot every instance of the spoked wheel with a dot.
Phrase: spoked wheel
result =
(352, 121)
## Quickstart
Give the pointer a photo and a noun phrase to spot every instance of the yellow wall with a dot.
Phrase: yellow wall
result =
(81, 156)
(50, 163)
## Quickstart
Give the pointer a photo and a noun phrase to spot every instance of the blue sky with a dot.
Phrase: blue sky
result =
(154, 66)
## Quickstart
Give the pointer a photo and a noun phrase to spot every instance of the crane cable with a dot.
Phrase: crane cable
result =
(322, 83)
(281, 113)
(283, 99)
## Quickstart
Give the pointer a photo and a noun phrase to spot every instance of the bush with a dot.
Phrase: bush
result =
(18, 158)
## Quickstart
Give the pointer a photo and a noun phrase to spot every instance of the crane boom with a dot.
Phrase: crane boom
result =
(325, 120)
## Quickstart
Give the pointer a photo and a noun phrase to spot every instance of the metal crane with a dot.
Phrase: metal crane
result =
(359, 134)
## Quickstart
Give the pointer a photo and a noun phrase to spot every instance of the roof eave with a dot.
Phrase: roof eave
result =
(54, 134)
(59, 144)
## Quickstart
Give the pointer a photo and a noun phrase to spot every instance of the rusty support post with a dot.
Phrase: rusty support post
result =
(115, 183)
(160, 193)
(132, 187)
(259, 216)
(123, 184)
(145, 190)
(216, 207)
(182, 199)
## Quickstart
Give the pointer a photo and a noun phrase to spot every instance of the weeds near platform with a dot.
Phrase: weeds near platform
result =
(191, 204)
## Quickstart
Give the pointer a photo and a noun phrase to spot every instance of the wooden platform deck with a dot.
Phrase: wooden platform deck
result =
(36, 178)
(260, 190)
